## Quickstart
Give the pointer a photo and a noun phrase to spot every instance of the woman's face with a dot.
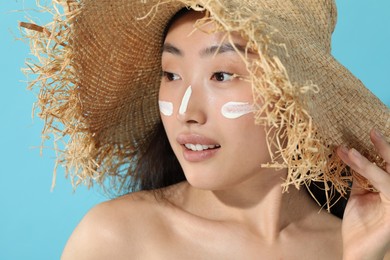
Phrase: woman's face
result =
(206, 107)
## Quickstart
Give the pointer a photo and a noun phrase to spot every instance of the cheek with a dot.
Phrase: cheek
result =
(235, 109)
(165, 103)
(255, 143)
(166, 107)
(236, 102)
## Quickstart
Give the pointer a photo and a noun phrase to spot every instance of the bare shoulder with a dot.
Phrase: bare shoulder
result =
(116, 229)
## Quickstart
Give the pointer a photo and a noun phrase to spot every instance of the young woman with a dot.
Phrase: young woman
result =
(215, 182)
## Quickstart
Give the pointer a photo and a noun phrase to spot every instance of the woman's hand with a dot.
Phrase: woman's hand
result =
(366, 222)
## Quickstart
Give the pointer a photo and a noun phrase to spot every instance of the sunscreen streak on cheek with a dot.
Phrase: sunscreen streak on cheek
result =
(166, 108)
(233, 110)
(185, 100)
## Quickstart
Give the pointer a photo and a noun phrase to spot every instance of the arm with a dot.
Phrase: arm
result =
(366, 223)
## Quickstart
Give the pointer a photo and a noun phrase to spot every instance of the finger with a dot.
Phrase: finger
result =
(342, 152)
(377, 177)
(380, 144)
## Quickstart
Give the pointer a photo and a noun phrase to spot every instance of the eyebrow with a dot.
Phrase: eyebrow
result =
(223, 48)
(169, 48)
(209, 51)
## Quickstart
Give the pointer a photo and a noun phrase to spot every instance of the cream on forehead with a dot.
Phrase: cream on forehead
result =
(185, 100)
(232, 110)
(166, 108)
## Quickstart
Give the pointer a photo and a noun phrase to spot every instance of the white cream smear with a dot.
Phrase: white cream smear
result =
(166, 108)
(232, 110)
(185, 100)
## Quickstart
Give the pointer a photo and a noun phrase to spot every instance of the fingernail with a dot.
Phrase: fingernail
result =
(377, 134)
(343, 150)
(356, 154)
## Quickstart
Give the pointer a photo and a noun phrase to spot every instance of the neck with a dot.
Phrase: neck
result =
(257, 204)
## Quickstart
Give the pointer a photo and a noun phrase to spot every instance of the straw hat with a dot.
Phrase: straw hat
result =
(99, 70)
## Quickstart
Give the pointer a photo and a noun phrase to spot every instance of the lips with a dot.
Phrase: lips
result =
(197, 147)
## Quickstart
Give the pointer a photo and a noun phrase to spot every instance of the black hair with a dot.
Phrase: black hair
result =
(158, 167)
(321, 195)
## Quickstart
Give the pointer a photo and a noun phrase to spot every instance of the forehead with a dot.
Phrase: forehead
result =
(192, 24)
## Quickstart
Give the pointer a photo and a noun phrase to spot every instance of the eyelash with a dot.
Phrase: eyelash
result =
(170, 76)
(216, 76)
(220, 73)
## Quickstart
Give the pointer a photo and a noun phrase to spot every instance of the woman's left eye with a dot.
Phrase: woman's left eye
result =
(222, 76)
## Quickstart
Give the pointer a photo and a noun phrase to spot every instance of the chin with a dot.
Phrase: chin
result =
(202, 180)
(207, 181)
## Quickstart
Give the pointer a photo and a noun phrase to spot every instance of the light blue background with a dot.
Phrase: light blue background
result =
(35, 222)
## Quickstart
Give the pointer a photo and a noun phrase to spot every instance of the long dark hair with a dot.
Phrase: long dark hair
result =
(158, 167)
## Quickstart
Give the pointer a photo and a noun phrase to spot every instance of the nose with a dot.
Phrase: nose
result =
(192, 107)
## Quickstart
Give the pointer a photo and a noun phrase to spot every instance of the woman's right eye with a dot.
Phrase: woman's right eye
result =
(170, 76)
